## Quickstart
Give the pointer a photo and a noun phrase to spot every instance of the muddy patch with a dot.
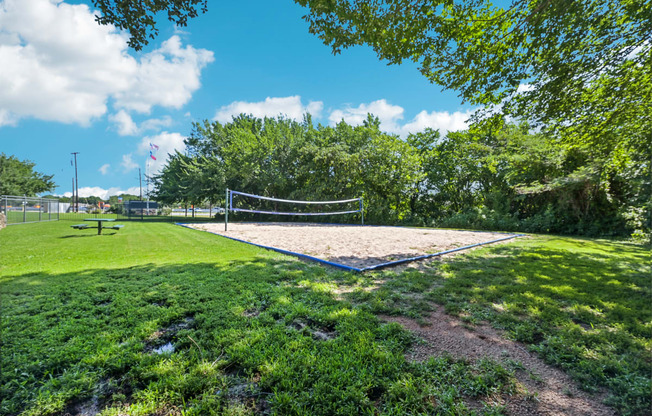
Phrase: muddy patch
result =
(162, 340)
(311, 329)
(246, 394)
(93, 405)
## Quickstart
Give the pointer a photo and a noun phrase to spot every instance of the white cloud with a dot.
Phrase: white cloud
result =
(103, 193)
(291, 107)
(388, 114)
(524, 88)
(156, 123)
(390, 117)
(127, 127)
(7, 119)
(124, 123)
(128, 163)
(104, 169)
(58, 64)
(167, 143)
(438, 120)
(167, 76)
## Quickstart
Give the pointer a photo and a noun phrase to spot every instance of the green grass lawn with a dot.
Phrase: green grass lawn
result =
(159, 319)
(14, 217)
(584, 305)
(80, 216)
(17, 217)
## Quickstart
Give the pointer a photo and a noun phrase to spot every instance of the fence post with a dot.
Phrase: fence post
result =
(226, 210)
(24, 209)
(40, 209)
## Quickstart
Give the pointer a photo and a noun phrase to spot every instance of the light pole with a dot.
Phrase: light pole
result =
(76, 183)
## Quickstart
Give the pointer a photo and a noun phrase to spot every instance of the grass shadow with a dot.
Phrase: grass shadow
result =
(583, 305)
(247, 336)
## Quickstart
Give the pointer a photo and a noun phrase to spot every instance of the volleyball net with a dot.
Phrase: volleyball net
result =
(256, 204)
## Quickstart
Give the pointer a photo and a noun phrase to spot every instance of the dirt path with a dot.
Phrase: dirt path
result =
(556, 393)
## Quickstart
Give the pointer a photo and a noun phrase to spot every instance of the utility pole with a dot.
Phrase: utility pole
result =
(72, 204)
(76, 183)
(140, 182)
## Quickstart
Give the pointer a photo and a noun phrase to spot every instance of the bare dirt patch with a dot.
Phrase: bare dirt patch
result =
(350, 245)
(551, 391)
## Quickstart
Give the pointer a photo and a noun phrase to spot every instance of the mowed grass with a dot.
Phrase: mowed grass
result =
(14, 217)
(583, 305)
(18, 217)
(84, 318)
(159, 319)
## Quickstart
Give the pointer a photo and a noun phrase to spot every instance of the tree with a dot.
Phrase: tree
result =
(139, 17)
(296, 160)
(170, 184)
(540, 60)
(19, 178)
(113, 199)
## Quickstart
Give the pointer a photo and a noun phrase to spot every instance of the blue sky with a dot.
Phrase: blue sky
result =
(69, 85)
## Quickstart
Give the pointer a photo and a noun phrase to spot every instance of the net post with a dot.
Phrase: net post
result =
(226, 210)
(362, 209)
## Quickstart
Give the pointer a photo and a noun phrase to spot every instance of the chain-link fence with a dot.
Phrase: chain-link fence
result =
(20, 210)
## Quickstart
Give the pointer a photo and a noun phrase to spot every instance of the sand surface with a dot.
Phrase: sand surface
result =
(351, 245)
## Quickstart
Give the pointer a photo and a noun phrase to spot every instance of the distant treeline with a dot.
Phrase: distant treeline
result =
(510, 180)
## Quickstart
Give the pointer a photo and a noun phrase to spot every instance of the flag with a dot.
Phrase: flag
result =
(151, 155)
(153, 146)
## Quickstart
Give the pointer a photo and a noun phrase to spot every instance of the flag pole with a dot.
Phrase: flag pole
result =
(147, 183)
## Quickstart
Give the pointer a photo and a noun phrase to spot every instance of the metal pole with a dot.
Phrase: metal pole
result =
(76, 183)
(24, 209)
(40, 209)
(362, 209)
(140, 183)
(226, 210)
(147, 184)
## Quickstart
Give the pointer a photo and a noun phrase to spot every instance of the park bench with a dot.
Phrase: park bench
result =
(80, 226)
(114, 227)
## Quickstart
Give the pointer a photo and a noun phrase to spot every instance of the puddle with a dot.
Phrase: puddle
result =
(160, 341)
(164, 349)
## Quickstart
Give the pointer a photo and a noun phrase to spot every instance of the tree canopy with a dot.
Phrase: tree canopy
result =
(581, 68)
(18, 177)
(512, 179)
(540, 60)
(139, 17)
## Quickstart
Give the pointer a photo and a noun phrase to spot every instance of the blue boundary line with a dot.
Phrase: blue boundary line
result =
(364, 269)
(441, 253)
(291, 253)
